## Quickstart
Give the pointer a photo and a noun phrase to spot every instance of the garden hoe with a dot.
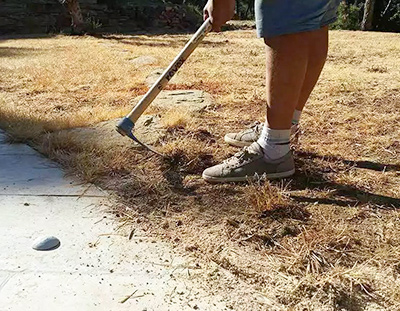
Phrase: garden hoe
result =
(125, 126)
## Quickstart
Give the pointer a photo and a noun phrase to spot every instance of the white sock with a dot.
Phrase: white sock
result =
(296, 117)
(275, 143)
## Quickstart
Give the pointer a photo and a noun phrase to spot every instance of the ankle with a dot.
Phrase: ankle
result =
(275, 143)
(296, 117)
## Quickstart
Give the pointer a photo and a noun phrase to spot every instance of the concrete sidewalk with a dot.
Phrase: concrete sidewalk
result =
(95, 268)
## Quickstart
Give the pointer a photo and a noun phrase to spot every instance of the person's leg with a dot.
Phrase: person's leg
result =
(291, 75)
(315, 46)
(317, 53)
(286, 67)
(296, 52)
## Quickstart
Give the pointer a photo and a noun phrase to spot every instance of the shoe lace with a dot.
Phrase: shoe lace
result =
(240, 156)
(256, 126)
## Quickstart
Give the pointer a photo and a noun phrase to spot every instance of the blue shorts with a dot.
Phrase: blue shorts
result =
(279, 17)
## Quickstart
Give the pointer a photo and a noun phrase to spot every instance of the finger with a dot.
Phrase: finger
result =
(205, 14)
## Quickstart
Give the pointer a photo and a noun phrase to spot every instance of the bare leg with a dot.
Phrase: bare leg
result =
(286, 60)
(318, 51)
(294, 63)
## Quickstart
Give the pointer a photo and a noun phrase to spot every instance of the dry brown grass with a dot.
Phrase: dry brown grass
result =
(178, 118)
(325, 240)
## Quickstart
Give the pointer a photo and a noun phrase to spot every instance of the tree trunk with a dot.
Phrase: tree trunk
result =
(77, 22)
(368, 15)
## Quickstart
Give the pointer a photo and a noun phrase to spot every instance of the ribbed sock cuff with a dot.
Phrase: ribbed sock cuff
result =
(273, 136)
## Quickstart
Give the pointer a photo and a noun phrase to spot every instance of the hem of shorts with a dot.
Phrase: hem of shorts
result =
(280, 32)
(328, 22)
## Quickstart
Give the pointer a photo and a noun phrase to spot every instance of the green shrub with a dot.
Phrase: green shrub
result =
(194, 14)
(348, 17)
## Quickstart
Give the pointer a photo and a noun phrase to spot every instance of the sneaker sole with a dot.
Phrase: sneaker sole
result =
(236, 143)
(212, 179)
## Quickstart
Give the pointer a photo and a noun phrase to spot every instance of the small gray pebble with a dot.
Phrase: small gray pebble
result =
(46, 243)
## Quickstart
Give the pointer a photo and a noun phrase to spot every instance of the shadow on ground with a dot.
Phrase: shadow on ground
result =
(5, 37)
(14, 52)
(309, 176)
(313, 177)
(313, 173)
